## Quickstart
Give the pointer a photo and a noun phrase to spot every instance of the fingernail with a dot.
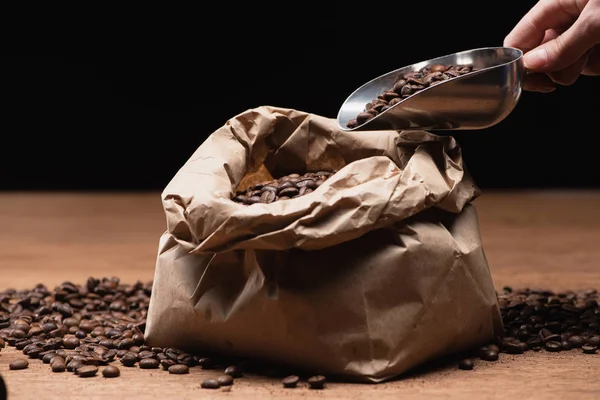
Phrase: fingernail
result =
(535, 59)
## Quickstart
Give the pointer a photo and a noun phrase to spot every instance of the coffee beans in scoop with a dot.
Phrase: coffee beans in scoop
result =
(287, 187)
(407, 85)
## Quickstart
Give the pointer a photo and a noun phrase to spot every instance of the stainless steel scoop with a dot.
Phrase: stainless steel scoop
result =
(476, 100)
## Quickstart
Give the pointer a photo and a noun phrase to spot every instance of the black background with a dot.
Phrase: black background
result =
(115, 100)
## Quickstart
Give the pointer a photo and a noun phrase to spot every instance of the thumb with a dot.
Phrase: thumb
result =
(560, 52)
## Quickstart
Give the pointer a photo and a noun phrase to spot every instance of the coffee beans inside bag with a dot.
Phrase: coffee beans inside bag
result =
(352, 254)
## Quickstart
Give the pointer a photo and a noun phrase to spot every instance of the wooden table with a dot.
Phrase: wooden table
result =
(548, 239)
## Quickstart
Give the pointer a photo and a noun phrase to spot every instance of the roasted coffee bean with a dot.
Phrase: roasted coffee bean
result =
(210, 384)
(489, 355)
(593, 340)
(587, 349)
(74, 365)
(18, 364)
(70, 343)
(149, 363)
(576, 341)
(465, 364)
(58, 367)
(234, 371)
(553, 346)
(225, 380)
(111, 372)
(48, 357)
(406, 86)
(290, 381)
(316, 382)
(129, 360)
(168, 363)
(178, 369)
(87, 371)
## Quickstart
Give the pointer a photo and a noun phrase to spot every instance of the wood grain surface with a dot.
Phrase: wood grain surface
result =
(537, 239)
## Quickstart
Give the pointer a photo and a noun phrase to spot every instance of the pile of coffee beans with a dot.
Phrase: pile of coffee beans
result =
(539, 319)
(285, 188)
(98, 327)
(407, 85)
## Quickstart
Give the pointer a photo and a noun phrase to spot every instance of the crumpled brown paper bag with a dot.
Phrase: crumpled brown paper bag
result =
(378, 270)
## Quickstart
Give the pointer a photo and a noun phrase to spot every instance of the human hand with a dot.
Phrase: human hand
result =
(560, 40)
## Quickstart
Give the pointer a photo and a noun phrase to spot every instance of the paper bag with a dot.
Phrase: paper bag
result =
(378, 270)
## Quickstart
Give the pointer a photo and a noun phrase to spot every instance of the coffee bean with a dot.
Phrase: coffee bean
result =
(234, 371)
(129, 360)
(87, 371)
(225, 380)
(587, 349)
(70, 342)
(74, 365)
(489, 355)
(290, 381)
(437, 68)
(46, 358)
(111, 371)
(210, 384)
(316, 382)
(58, 367)
(512, 348)
(593, 340)
(553, 346)
(149, 363)
(178, 369)
(576, 341)
(18, 364)
(465, 364)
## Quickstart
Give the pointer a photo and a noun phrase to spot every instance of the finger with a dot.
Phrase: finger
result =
(538, 83)
(592, 67)
(546, 14)
(563, 51)
(551, 34)
(567, 76)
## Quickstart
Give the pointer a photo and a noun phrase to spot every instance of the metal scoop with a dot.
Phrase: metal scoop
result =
(475, 100)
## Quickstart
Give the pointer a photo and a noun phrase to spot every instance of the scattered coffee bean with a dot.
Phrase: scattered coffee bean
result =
(406, 86)
(149, 363)
(576, 341)
(290, 381)
(553, 346)
(489, 355)
(210, 384)
(465, 364)
(234, 371)
(111, 371)
(87, 371)
(225, 380)
(587, 349)
(179, 369)
(316, 382)
(18, 364)
(287, 187)
(58, 367)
